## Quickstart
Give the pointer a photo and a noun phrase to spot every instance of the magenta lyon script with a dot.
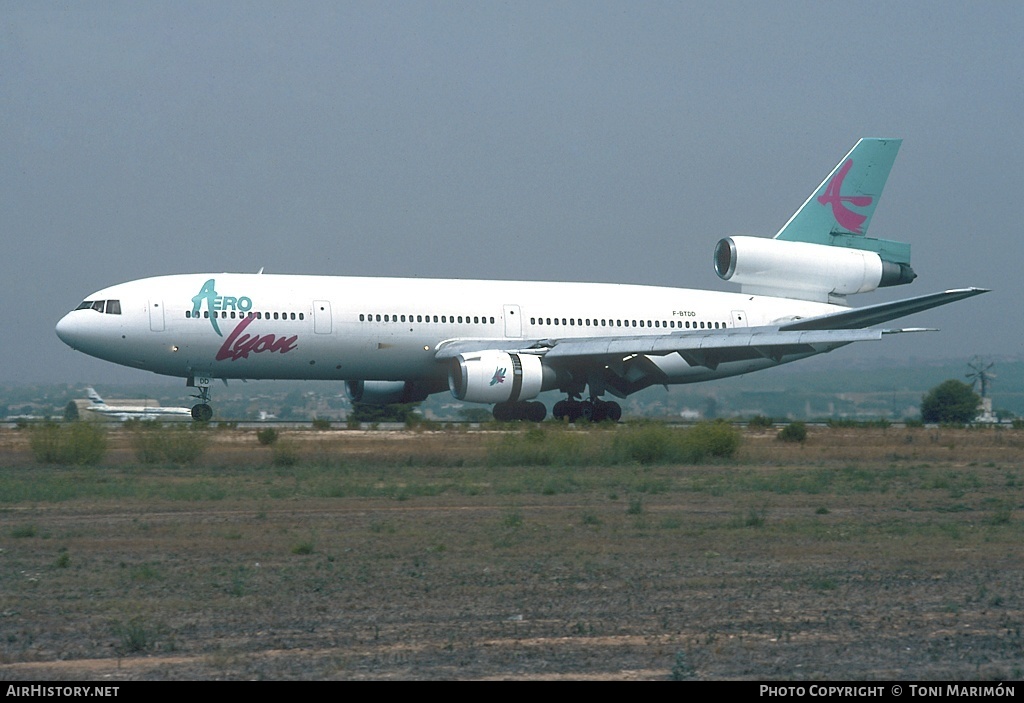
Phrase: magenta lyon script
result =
(239, 347)
(844, 216)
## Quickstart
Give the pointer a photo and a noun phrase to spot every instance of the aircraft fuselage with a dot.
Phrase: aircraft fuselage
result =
(261, 326)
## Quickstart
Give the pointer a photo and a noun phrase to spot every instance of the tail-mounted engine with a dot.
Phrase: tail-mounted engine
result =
(498, 377)
(803, 270)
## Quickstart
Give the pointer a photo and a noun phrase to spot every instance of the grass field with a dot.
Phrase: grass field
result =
(602, 553)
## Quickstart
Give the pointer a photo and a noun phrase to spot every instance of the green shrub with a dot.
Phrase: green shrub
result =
(266, 436)
(642, 442)
(760, 422)
(285, 453)
(78, 443)
(653, 443)
(793, 432)
(321, 423)
(535, 447)
(715, 440)
(153, 443)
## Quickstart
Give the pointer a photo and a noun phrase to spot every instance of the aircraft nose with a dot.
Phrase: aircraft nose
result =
(69, 329)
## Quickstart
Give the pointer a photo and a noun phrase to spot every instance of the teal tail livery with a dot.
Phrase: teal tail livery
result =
(503, 343)
(827, 234)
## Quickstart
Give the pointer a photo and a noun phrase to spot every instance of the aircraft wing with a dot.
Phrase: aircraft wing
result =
(709, 348)
(882, 312)
(726, 345)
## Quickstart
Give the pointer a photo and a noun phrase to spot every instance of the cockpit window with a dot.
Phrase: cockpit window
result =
(111, 307)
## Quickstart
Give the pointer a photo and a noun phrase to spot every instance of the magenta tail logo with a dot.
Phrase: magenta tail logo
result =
(833, 196)
(499, 376)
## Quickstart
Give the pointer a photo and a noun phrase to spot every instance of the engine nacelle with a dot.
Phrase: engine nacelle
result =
(498, 377)
(383, 392)
(814, 271)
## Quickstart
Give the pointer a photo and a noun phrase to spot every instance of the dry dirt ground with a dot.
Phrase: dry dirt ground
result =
(862, 554)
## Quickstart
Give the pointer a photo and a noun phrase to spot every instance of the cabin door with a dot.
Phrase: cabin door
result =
(513, 325)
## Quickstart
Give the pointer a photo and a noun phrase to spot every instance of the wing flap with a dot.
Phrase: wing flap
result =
(760, 341)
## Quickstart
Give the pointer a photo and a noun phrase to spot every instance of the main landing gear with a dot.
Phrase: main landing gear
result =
(202, 411)
(594, 410)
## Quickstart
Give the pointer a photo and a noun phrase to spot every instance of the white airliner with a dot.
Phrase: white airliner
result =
(504, 342)
(129, 412)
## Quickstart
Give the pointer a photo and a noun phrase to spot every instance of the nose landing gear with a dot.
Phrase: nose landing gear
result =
(202, 411)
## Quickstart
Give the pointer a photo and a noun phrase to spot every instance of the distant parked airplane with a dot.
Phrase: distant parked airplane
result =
(128, 412)
(398, 340)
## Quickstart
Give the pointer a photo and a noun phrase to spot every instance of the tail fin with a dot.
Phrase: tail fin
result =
(95, 397)
(839, 210)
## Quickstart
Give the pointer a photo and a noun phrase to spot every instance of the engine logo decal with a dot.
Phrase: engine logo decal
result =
(499, 376)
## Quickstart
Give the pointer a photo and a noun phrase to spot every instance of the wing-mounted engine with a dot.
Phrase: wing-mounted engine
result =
(497, 377)
(384, 392)
(805, 271)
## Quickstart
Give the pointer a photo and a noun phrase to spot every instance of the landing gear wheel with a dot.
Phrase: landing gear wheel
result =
(536, 412)
(584, 411)
(507, 412)
(613, 411)
(561, 410)
(202, 412)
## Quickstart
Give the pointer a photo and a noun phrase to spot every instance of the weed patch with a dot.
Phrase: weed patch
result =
(76, 443)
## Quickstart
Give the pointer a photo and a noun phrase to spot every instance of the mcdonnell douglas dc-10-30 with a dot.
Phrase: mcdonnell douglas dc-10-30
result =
(394, 340)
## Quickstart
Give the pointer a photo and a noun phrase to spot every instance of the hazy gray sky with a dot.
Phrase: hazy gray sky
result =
(525, 140)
